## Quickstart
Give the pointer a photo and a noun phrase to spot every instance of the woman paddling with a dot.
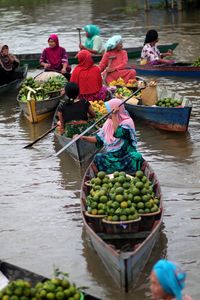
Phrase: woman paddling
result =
(8, 63)
(167, 281)
(119, 139)
(114, 61)
(55, 58)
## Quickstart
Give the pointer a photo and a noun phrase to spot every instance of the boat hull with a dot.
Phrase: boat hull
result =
(33, 59)
(165, 118)
(179, 71)
(123, 266)
(15, 84)
(36, 111)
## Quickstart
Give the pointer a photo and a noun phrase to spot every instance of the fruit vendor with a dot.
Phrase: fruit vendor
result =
(88, 77)
(55, 58)
(119, 139)
(8, 63)
(73, 113)
(115, 67)
(167, 281)
(150, 53)
(93, 42)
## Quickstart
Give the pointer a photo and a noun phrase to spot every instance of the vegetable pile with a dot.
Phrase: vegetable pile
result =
(196, 63)
(168, 102)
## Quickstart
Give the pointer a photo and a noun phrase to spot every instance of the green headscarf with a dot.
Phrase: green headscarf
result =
(92, 30)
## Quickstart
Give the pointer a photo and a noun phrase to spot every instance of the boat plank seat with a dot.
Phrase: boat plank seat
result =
(124, 236)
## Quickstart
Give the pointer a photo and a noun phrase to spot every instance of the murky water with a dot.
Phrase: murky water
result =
(40, 221)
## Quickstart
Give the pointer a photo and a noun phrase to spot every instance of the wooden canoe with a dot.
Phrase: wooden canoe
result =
(178, 69)
(15, 84)
(80, 150)
(36, 111)
(166, 118)
(9, 272)
(124, 265)
(33, 59)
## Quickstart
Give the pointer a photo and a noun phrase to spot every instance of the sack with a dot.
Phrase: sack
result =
(44, 76)
(149, 95)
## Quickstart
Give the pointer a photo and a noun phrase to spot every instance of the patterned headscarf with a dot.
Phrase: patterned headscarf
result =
(113, 42)
(170, 277)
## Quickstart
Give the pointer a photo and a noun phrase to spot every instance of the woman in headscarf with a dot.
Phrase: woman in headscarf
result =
(150, 53)
(119, 140)
(73, 113)
(93, 42)
(55, 58)
(88, 77)
(114, 61)
(8, 63)
(167, 281)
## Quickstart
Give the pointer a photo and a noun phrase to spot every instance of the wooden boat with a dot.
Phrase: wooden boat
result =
(123, 263)
(166, 118)
(33, 59)
(36, 111)
(22, 71)
(9, 272)
(80, 150)
(177, 69)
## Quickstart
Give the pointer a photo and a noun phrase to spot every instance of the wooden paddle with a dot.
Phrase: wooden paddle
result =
(110, 58)
(41, 137)
(79, 34)
(89, 128)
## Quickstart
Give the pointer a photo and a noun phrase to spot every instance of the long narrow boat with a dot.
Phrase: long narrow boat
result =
(80, 150)
(22, 72)
(36, 111)
(9, 272)
(33, 59)
(166, 118)
(179, 70)
(122, 263)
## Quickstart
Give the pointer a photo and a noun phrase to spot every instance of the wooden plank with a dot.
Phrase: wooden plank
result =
(123, 236)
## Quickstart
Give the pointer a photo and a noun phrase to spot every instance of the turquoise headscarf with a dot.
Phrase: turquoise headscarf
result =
(113, 42)
(170, 277)
(92, 30)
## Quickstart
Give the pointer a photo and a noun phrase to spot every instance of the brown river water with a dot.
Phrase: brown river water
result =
(40, 221)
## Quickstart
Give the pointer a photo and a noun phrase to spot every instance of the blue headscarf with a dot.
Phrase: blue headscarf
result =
(92, 30)
(113, 42)
(170, 277)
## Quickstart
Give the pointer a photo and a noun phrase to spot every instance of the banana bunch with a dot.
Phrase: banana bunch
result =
(99, 106)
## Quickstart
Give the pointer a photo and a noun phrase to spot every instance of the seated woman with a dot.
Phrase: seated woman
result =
(88, 77)
(8, 63)
(167, 281)
(93, 42)
(150, 53)
(55, 58)
(119, 139)
(115, 60)
(74, 112)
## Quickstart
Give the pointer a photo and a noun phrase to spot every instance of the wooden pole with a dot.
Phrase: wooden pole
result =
(146, 5)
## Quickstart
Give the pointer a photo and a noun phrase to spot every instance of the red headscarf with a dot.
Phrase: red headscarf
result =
(56, 55)
(86, 74)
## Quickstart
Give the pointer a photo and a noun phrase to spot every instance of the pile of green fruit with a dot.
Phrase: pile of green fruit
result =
(196, 63)
(168, 102)
(121, 197)
(122, 92)
(41, 90)
(53, 289)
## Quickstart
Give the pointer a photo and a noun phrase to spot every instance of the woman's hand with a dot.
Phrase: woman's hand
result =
(62, 92)
(63, 71)
(110, 70)
(115, 110)
(81, 46)
(46, 66)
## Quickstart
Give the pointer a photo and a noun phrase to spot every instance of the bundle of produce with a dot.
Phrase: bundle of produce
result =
(100, 110)
(168, 102)
(39, 90)
(122, 92)
(132, 83)
(196, 63)
(52, 289)
(121, 197)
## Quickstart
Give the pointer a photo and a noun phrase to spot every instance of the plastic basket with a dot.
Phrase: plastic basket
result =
(95, 221)
(131, 226)
(147, 220)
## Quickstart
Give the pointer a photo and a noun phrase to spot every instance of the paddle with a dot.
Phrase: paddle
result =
(89, 128)
(79, 34)
(40, 137)
(110, 58)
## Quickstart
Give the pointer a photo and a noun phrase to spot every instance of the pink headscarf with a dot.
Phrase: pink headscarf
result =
(106, 133)
(55, 54)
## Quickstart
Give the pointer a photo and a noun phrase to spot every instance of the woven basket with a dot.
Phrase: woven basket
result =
(147, 220)
(95, 221)
(131, 226)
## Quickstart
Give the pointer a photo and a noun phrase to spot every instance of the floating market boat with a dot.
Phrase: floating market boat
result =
(10, 272)
(33, 59)
(79, 150)
(123, 254)
(22, 72)
(166, 118)
(177, 69)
